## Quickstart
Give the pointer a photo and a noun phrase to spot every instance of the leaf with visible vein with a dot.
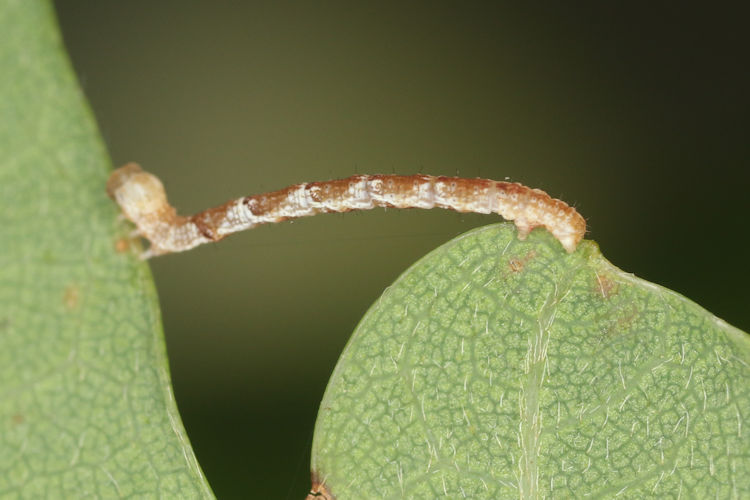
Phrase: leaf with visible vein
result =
(495, 368)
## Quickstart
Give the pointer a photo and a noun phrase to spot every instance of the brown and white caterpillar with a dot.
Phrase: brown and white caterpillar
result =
(143, 201)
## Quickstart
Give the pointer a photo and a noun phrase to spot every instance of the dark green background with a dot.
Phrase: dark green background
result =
(639, 117)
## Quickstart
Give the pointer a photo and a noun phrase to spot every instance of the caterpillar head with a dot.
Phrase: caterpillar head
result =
(141, 196)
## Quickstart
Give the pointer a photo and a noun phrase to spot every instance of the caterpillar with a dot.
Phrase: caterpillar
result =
(143, 201)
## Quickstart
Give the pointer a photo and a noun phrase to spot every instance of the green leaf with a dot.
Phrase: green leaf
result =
(496, 368)
(86, 407)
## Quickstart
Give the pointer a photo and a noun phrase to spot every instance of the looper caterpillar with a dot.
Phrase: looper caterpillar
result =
(143, 201)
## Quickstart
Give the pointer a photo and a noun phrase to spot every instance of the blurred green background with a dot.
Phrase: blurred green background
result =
(638, 116)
